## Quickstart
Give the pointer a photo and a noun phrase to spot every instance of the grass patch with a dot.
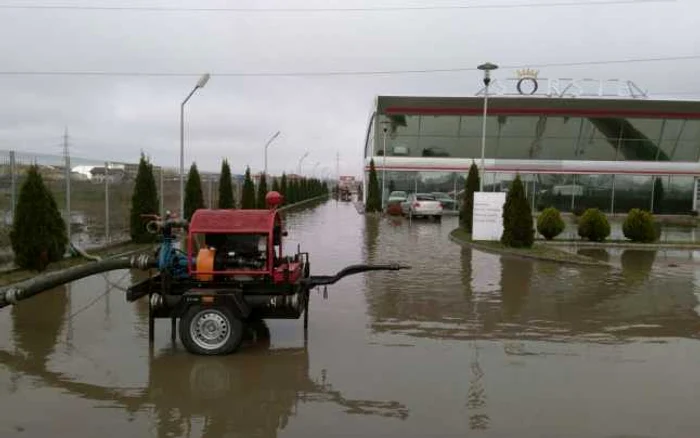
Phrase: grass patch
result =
(16, 275)
(538, 251)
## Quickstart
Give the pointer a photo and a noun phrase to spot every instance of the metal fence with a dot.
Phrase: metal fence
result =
(96, 196)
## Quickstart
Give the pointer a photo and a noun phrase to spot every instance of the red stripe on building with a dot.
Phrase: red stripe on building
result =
(563, 112)
(543, 171)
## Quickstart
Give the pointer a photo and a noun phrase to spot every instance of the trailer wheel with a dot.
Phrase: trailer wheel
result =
(210, 330)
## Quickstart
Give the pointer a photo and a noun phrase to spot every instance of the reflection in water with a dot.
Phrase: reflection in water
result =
(596, 253)
(473, 342)
(495, 297)
(249, 394)
(637, 264)
(371, 233)
(516, 275)
(37, 328)
(141, 306)
(476, 395)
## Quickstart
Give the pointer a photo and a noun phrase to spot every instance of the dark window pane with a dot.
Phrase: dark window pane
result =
(422, 197)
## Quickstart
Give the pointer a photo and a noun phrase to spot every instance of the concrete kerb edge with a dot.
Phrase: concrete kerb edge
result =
(505, 252)
(621, 245)
(299, 204)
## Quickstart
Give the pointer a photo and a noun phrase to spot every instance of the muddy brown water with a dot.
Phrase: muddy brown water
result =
(465, 344)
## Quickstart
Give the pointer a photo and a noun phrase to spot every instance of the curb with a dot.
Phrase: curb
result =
(622, 245)
(300, 203)
(505, 252)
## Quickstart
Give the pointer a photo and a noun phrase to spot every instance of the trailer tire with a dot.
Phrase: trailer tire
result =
(210, 330)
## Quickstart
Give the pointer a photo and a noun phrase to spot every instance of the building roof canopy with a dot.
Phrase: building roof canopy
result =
(530, 105)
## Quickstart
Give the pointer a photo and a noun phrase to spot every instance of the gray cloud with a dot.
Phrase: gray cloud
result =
(115, 117)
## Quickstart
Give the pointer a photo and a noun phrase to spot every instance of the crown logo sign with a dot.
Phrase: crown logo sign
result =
(527, 73)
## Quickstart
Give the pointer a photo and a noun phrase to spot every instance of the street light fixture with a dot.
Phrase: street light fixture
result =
(486, 68)
(200, 84)
(268, 145)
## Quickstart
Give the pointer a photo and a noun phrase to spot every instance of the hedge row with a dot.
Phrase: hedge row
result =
(593, 225)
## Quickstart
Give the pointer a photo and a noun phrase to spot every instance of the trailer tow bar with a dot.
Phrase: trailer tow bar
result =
(325, 280)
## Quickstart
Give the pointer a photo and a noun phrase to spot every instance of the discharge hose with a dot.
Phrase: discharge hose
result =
(26, 289)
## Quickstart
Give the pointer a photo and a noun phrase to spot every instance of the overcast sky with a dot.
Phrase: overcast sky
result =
(114, 117)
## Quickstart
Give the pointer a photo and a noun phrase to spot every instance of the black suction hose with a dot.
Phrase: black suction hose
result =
(27, 289)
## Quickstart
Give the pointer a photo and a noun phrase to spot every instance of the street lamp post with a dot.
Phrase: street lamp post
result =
(268, 145)
(386, 128)
(200, 84)
(486, 68)
(306, 154)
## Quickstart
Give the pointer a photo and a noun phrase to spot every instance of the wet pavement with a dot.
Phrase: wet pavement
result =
(465, 344)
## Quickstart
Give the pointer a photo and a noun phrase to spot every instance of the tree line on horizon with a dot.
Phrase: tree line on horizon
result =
(145, 197)
(39, 233)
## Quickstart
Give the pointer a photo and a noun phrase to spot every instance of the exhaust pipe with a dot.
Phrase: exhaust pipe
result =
(274, 301)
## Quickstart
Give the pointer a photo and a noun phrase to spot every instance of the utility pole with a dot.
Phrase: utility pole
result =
(337, 167)
(67, 172)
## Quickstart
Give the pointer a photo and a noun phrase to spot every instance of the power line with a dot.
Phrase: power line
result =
(334, 73)
(325, 10)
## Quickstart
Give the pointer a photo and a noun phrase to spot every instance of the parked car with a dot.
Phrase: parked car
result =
(447, 202)
(397, 196)
(422, 204)
(393, 204)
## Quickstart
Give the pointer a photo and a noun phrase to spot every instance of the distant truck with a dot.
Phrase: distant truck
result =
(348, 183)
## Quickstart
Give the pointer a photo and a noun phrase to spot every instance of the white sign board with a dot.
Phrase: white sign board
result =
(487, 223)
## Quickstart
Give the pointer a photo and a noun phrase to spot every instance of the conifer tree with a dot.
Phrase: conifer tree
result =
(194, 198)
(248, 197)
(291, 191)
(144, 200)
(262, 192)
(284, 188)
(39, 235)
(374, 203)
(471, 186)
(518, 225)
(226, 187)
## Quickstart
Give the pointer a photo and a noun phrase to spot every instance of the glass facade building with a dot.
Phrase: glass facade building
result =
(571, 153)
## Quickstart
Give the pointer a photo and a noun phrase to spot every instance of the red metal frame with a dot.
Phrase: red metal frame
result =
(495, 111)
(235, 222)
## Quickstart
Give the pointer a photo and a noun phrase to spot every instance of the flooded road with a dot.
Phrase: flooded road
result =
(465, 344)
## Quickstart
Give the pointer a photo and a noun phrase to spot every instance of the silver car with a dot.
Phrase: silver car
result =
(422, 204)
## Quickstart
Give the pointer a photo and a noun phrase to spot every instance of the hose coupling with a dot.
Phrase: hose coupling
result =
(142, 261)
(12, 295)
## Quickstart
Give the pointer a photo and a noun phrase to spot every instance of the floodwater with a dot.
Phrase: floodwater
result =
(465, 344)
